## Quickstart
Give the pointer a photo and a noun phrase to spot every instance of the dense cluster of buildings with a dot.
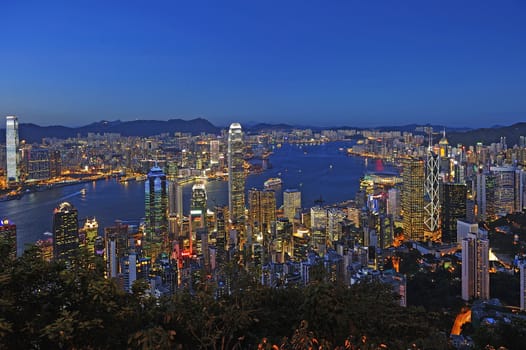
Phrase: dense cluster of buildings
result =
(441, 195)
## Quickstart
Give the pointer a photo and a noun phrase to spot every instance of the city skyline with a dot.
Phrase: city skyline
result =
(347, 63)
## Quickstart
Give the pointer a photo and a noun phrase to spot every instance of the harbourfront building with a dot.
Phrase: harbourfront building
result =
(236, 173)
(12, 155)
(65, 231)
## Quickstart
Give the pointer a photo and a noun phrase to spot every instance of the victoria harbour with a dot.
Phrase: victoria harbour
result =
(318, 171)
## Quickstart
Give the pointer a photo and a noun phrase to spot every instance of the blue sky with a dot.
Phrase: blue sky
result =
(362, 63)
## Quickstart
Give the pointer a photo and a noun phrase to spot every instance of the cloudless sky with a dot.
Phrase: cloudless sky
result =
(357, 63)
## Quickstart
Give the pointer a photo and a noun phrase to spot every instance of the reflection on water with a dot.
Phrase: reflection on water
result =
(318, 171)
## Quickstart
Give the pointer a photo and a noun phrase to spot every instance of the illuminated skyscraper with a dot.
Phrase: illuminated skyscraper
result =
(214, 152)
(261, 209)
(453, 201)
(8, 232)
(475, 266)
(291, 203)
(236, 173)
(432, 197)
(65, 231)
(156, 205)
(413, 199)
(11, 143)
(504, 189)
(198, 212)
(87, 235)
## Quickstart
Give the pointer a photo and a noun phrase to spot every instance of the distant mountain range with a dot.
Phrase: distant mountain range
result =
(143, 128)
(33, 133)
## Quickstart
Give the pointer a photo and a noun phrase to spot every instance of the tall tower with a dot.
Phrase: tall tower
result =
(475, 266)
(432, 196)
(236, 173)
(11, 143)
(454, 197)
(87, 235)
(413, 199)
(291, 202)
(262, 209)
(156, 205)
(65, 231)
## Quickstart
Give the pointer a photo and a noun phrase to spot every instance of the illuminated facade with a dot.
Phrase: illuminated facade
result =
(156, 205)
(432, 205)
(475, 266)
(8, 232)
(291, 203)
(198, 215)
(504, 189)
(236, 173)
(87, 235)
(11, 143)
(261, 210)
(65, 231)
(413, 199)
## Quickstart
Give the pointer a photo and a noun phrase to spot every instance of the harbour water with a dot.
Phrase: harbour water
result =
(324, 171)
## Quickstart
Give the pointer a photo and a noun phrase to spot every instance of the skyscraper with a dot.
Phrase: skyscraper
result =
(432, 205)
(65, 231)
(198, 213)
(261, 210)
(413, 199)
(87, 235)
(475, 266)
(453, 201)
(8, 232)
(156, 205)
(236, 173)
(11, 142)
(291, 202)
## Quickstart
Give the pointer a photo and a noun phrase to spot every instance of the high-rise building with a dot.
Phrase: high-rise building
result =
(291, 203)
(214, 152)
(504, 189)
(261, 210)
(198, 212)
(318, 218)
(156, 205)
(236, 173)
(522, 290)
(65, 231)
(334, 217)
(413, 199)
(117, 241)
(55, 163)
(432, 205)
(475, 266)
(8, 232)
(393, 203)
(11, 143)
(37, 164)
(87, 235)
(453, 202)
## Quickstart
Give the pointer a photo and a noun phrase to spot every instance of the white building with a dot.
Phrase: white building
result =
(11, 142)
(475, 266)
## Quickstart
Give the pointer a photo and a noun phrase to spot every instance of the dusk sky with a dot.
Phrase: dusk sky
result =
(356, 63)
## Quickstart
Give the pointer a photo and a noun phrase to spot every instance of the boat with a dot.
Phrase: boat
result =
(272, 182)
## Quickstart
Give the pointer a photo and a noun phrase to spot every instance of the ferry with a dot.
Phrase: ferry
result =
(272, 182)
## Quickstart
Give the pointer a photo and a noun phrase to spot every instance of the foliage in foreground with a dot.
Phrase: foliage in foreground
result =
(48, 306)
